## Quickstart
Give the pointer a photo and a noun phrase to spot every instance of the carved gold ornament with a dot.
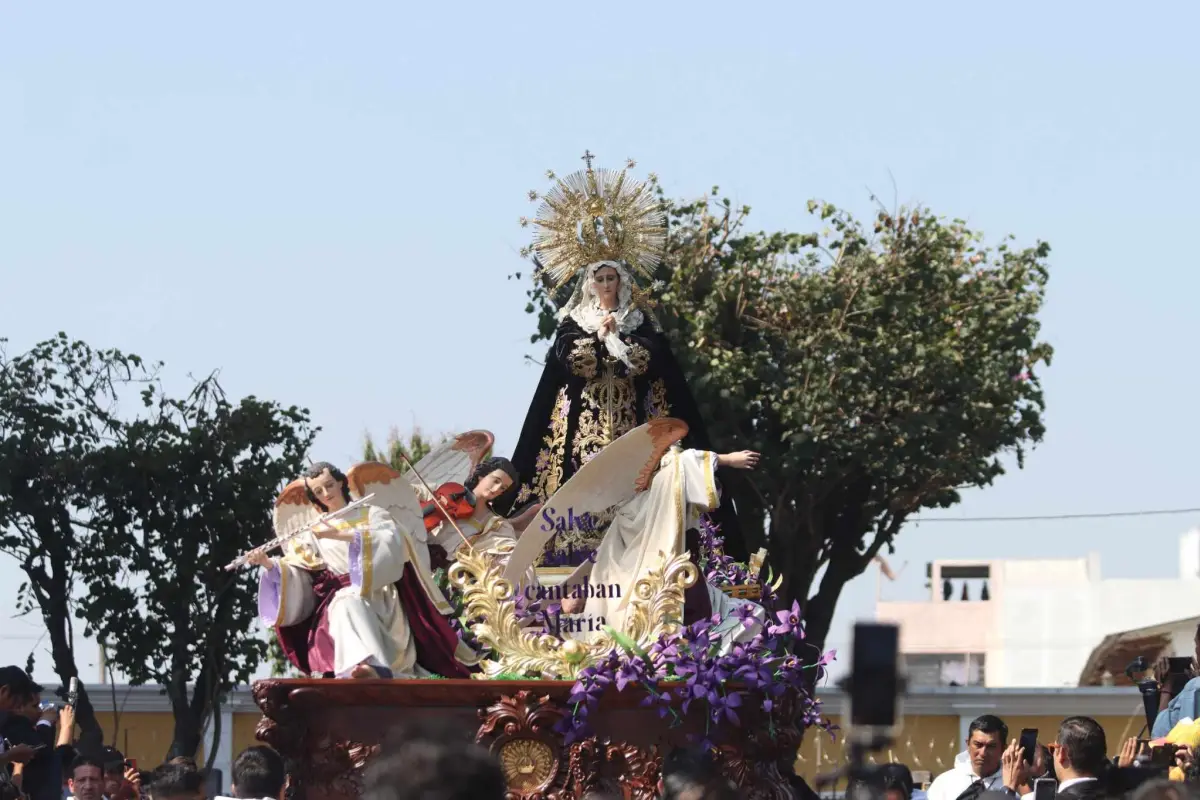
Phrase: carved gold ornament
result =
(528, 764)
(656, 608)
(598, 215)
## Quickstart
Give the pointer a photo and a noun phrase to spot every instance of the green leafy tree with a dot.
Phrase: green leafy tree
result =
(194, 485)
(880, 370)
(414, 447)
(57, 420)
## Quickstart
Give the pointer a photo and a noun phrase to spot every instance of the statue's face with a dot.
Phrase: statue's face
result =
(492, 485)
(328, 490)
(607, 284)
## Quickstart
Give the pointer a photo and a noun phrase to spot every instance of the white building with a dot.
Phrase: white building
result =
(1044, 621)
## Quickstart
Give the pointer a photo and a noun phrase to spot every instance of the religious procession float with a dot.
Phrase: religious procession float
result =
(571, 607)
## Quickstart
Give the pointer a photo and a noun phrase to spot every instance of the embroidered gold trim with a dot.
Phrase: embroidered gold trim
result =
(639, 357)
(710, 485)
(656, 400)
(283, 593)
(582, 358)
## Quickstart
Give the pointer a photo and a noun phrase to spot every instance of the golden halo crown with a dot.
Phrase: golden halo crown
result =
(598, 215)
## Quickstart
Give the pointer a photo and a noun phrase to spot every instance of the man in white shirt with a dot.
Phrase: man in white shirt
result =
(978, 768)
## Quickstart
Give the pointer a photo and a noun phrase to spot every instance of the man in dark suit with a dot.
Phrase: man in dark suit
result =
(22, 722)
(1080, 759)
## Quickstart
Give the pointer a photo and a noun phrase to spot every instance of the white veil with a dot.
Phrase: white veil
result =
(584, 308)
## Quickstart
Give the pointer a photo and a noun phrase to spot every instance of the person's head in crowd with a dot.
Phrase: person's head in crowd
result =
(258, 773)
(176, 781)
(18, 691)
(896, 781)
(986, 739)
(1081, 750)
(605, 790)
(693, 775)
(87, 778)
(1163, 790)
(114, 771)
(433, 761)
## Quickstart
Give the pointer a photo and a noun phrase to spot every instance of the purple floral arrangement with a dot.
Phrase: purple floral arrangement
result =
(720, 569)
(767, 668)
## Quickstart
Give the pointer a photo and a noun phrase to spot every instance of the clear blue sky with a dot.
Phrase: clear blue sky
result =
(321, 199)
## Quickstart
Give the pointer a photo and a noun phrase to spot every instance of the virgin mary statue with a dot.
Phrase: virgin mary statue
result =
(610, 368)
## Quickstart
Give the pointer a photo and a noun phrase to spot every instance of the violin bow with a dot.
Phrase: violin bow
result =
(434, 497)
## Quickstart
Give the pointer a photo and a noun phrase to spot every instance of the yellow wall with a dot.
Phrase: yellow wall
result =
(144, 736)
(930, 743)
(243, 731)
(924, 743)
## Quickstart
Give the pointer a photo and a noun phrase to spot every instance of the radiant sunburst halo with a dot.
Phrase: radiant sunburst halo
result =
(598, 215)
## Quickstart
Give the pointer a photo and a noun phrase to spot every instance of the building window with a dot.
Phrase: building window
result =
(945, 669)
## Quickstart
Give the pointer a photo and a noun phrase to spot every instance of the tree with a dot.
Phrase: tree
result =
(416, 448)
(879, 373)
(194, 485)
(57, 419)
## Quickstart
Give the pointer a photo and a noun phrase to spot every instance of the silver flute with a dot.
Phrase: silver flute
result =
(279, 541)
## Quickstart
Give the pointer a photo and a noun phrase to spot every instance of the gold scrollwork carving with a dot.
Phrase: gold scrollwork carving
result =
(656, 608)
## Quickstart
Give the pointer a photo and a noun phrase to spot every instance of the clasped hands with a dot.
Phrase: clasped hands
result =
(607, 325)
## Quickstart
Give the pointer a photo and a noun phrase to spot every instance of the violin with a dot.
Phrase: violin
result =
(457, 502)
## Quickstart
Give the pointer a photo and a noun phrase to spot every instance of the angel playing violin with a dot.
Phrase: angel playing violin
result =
(492, 481)
(355, 597)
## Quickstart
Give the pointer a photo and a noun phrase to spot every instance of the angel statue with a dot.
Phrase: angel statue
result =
(355, 597)
(491, 481)
(654, 491)
(610, 368)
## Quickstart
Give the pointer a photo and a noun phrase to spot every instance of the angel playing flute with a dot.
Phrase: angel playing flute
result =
(354, 596)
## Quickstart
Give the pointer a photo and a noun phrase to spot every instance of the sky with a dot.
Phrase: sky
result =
(321, 201)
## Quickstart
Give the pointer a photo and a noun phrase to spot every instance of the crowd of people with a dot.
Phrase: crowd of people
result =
(41, 760)
(1076, 765)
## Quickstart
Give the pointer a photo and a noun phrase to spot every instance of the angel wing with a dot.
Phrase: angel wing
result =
(613, 476)
(391, 491)
(293, 509)
(453, 460)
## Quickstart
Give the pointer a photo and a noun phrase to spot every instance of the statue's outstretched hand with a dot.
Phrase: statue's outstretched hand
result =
(743, 459)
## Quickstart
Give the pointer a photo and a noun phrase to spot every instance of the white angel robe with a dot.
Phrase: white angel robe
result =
(648, 531)
(366, 620)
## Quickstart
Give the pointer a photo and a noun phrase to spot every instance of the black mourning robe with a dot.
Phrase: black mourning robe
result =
(584, 401)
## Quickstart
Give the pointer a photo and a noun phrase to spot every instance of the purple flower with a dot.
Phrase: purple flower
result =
(632, 670)
(789, 621)
(660, 701)
(745, 613)
(725, 706)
